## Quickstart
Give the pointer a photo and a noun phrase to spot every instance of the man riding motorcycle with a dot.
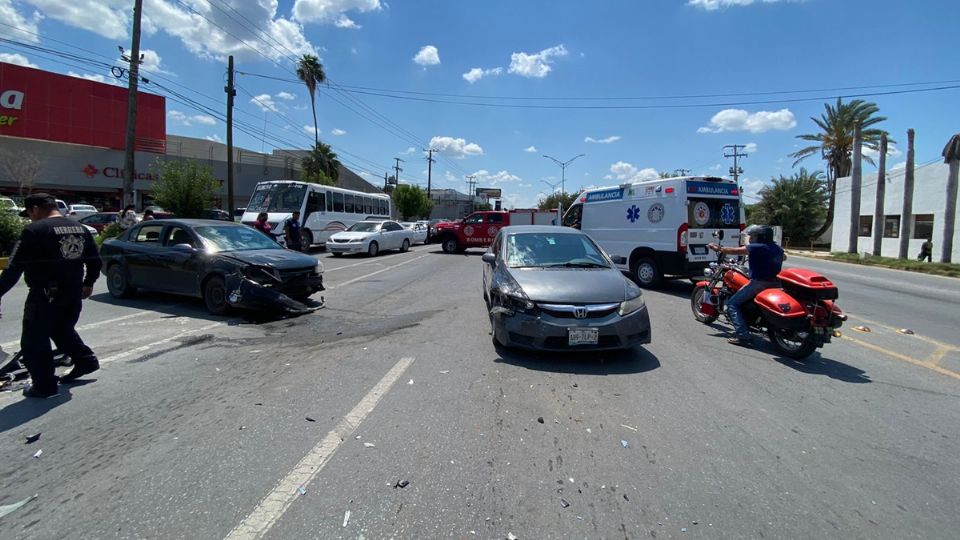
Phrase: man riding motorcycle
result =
(766, 260)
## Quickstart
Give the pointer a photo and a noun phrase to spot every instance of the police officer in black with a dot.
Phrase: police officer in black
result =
(52, 253)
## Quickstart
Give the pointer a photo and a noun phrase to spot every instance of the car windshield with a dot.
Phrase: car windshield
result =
(277, 198)
(543, 250)
(365, 226)
(234, 238)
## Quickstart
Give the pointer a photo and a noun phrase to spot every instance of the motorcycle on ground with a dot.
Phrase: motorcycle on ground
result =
(798, 318)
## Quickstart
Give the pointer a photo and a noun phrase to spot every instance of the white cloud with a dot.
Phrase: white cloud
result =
(285, 95)
(151, 62)
(476, 74)
(264, 102)
(92, 77)
(536, 65)
(338, 132)
(18, 59)
(189, 120)
(711, 5)
(457, 148)
(428, 56)
(608, 140)
(758, 122)
(333, 11)
(530, 149)
(901, 165)
(892, 151)
(486, 178)
(750, 148)
(408, 151)
(214, 138)
(26, 27)
(622, 170)
(310, 129)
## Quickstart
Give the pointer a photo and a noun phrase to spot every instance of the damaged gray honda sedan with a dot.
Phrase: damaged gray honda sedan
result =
(228, 265)
(552, 288)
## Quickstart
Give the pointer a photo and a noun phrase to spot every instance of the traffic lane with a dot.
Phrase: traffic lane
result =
(720, 441)
(156, 444)
(923, 303)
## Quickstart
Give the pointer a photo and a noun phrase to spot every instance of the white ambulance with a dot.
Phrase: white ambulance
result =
(660, 228)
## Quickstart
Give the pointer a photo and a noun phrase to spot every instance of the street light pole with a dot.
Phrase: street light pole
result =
(553, 187)
(563, 169)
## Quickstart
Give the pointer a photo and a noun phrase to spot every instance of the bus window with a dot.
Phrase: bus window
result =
(384, 207)
(573, 216)
(337, 202)
(315, 202)
(348, 204)
(367, 205)
(358, 205)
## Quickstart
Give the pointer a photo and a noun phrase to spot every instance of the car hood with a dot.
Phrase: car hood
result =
(352, 235)
(571, 285)
(281, 259)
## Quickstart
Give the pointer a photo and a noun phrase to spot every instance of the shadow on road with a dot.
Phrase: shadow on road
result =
(182, 306)
(635, 360)
(19, 413)
(816, 364)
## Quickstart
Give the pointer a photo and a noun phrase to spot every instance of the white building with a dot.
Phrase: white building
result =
(929, 203)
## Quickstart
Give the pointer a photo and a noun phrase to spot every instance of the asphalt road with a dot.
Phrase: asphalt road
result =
(205, 427)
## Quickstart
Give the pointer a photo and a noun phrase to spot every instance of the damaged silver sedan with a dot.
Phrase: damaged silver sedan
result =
(228, 265)
(552, 288)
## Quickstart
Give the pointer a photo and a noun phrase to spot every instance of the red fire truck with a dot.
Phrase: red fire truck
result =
(478, 229)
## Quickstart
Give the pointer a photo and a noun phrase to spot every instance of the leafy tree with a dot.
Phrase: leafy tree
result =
(797, 203)
(834, 142)
(310, 71)
(321, 159)
(185, 187)
(484, 207)
(411, 201)
(317, 177)
(550, 202)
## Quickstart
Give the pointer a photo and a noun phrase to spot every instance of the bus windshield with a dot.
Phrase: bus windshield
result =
(277, 198)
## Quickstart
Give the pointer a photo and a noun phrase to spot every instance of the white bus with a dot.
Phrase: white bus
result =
(324, 210)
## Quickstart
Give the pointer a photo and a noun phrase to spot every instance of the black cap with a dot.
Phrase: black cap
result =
(37, 199)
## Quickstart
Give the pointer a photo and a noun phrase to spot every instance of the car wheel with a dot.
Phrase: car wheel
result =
(306, 241)
(647, 273)
(215, 296)
(118, 284)
(336, 254)
(374, 249)
(450, 245)
(405, 246)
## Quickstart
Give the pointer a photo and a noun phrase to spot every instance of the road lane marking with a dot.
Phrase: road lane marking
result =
(354, 280)
(91, 325)
(903, 357)
(937, 356)
(269, 511)
(148, 346)
(915, 335)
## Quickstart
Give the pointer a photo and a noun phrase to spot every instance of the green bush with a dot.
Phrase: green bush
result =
(185, 187)
(110, 231)
(11, 225)
(912, 265)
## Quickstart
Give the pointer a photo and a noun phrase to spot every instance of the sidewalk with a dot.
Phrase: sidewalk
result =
(808, 253)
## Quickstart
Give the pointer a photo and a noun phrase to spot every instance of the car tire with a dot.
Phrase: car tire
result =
(306, 241)
(118, 283)
(336, 254)
(405, 247)
(374, 249)
(215, 296)
(647, 273)
(450, 245)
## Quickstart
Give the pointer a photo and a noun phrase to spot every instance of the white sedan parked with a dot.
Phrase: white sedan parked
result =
(370, 237)
(77, 211)
(419, 232)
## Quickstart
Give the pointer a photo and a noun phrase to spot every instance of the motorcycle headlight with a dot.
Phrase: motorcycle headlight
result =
(631, 305)
(707, 272)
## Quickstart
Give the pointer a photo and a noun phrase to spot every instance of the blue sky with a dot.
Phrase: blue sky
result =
(533, 50)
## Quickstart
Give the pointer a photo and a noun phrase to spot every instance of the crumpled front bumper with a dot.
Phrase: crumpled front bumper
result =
(247, 294)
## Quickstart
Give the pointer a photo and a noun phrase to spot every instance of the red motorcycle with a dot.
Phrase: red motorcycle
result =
(798, 318)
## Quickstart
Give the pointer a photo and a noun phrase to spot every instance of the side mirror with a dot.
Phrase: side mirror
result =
(718, 234)
(184, 248)
(619, 259)
(490, 258)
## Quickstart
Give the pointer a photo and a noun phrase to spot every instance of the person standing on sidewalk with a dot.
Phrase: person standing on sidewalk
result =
(61, 263)
(926, 251)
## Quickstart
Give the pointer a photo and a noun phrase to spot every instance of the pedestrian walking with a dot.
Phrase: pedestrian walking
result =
(292, 233)
(261, 224)
(60, 262)
(128, 218)
(926, 250)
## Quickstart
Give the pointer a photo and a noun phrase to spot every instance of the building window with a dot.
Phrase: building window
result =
(891, 227)
(923, 226)
(866, 225)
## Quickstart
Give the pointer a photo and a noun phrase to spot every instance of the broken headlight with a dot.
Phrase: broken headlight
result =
(509, 294)
(261, 275)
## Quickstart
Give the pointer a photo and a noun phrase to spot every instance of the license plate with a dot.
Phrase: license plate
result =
(699, 250)
(583, 336)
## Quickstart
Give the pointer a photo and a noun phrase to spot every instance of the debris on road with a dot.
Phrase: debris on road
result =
(575, 385)
(444, 372)
(695, 522)
(410, 381)
(357, 437)
(301, 490)
(258, 404)
(511, 536)
(864, 329)
(243, 428)
(564, 503)
(684, 529)
(8, 508)
(369, 445)
(308, 419)
(401, 484)
(39, 452)
(571, 479)
(624, 443)
(906, 331)
(588, 430)
(33, 438)
(540, 419)
(346, 518)
(628, 427)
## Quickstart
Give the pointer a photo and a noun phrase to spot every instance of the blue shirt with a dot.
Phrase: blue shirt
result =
(766, 261)
(294, 230)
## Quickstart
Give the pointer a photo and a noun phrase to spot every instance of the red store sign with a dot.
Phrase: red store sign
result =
(114, 172)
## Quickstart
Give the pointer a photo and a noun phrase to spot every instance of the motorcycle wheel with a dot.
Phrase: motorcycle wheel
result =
(787, 343)
(696, 300)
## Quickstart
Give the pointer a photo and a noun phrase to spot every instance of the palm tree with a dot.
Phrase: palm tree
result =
(310, 71)
(321, 159)
(834, 143)
(951, 155)
(796, 203)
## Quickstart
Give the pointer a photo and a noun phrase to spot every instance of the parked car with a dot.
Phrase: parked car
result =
(218, 215)
(552, 288)
(9, 205)
(419, 232)
(238, 214)
(370, 237)
(100, 220)
(77, 211)
(159, 213)
(228, 265)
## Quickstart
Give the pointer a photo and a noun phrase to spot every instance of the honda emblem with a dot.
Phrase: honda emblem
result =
(580, 312)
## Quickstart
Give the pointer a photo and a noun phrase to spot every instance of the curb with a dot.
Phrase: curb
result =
(852, 263)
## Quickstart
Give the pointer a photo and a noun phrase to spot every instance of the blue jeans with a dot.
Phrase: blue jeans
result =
(744, 295)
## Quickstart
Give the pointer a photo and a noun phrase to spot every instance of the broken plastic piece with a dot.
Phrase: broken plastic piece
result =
(346, 518)
(624, 443)
(564, 503)
(906, 331)
(308, 419)
(33, 438)
(628, 427)
(8, 508)
(410, 381)
(301, 490)
(401, 484)
(540, 419)
(683, 529)
(444, 372)
(369, 445)
(511, 536)
(864, 329)
(39, 452)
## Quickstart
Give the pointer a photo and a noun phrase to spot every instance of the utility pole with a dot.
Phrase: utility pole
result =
(398, 170)
(682, 172)
(563, 169)
(134, 79)
(231, 93)
(856, 183)
(471, 182)
(736, 170)
(430, 162)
